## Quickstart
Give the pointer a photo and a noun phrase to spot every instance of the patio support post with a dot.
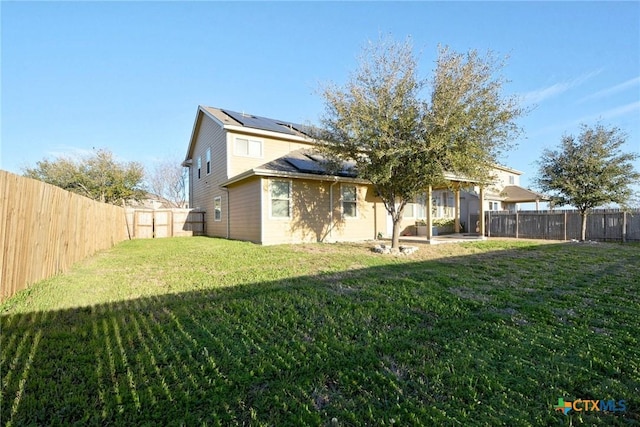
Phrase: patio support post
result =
(456, 221)
(429, 218)
(481, 221)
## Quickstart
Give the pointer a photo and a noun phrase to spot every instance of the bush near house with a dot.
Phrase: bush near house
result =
(200, 331)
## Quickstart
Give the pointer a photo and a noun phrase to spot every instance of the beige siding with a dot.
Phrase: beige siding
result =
(204, 189)
(244, 202)
(311, 219)
(271, 150)
(502, 179)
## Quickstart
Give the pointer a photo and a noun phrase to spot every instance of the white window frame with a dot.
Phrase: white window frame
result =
(199, 168)
(217, 208)
(208, 161)
(247, 153)
(342, 201)
(512, 180)
(289, 199)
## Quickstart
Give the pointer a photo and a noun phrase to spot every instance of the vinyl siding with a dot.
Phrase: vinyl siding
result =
(271, 150)
(311, 219)
(204, 189)
(244, 202)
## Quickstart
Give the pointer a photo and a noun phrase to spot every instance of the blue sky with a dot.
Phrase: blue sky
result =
(128, 76)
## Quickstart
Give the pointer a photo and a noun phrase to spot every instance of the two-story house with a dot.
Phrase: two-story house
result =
(259, 179)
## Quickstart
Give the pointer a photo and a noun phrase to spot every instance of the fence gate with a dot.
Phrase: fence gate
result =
(148, 223)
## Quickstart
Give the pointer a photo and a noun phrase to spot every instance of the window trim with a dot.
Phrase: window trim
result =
(217, 214)
(199, 167)
(248, 153)
(342, 201)
(208, 161)
(289, 199)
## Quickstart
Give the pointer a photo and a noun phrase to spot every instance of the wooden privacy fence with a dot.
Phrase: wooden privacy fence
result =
(45, 229)
(602, 224)
(156, 223)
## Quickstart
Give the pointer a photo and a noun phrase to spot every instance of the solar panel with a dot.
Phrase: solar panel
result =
(262, 123)
(306, 165)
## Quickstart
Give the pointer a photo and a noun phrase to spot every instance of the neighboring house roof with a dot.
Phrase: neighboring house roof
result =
(150, 201)
(507, 169)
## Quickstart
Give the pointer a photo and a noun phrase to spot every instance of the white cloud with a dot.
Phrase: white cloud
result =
(612, 112)
(556, 89)
(613, 89)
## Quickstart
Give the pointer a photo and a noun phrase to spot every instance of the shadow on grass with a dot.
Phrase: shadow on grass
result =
(493, 338)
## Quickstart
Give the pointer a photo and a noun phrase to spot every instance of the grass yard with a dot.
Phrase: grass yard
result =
(199, 331)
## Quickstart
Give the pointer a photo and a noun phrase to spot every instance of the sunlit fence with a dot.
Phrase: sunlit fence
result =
(157, 223)
(45, 229)
(602, 225)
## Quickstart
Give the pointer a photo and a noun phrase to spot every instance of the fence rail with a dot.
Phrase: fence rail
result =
(602, 225)
(45, 229)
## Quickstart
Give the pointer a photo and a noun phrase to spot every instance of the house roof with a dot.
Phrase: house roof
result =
(517, 194)
(302, 163)
(248, 123)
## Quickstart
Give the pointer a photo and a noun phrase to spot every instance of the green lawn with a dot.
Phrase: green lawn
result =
(199, 331)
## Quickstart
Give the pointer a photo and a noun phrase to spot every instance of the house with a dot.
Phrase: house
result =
(259, 179)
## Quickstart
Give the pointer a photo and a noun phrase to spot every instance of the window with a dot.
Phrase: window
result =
(208, 161)
(199, 166)
(349, 201)
(409, 210)
(217, 208)
(280, 199)
(421, 206)
(512, 179)
(248, 147)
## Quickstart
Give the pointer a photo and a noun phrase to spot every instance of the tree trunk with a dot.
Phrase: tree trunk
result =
(583, 233)
(395, 236)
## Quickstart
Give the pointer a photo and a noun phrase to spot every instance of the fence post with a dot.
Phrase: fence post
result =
(565, 225)
(517, 220)
(624, 227)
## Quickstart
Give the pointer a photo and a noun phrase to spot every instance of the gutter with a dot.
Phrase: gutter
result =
(280, 174)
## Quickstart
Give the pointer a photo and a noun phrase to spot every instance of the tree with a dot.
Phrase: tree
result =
(97, 176)
(589, 171)
(402, 143)
(168, 180)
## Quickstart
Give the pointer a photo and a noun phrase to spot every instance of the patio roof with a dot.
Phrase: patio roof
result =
(517, 194)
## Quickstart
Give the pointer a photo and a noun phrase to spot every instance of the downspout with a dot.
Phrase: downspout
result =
(228, 210)
(335, 181)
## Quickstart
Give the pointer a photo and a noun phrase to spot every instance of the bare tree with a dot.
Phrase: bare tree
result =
(168, 180)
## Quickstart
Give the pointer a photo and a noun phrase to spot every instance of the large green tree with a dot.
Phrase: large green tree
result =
(588, 171)
(403, 142)
(97, 176)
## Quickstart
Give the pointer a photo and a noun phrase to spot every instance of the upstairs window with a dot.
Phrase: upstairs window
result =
(512, 179)
(349, 195)
(248, 147)
(199, 166)
(280, 198)
(208, 161)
